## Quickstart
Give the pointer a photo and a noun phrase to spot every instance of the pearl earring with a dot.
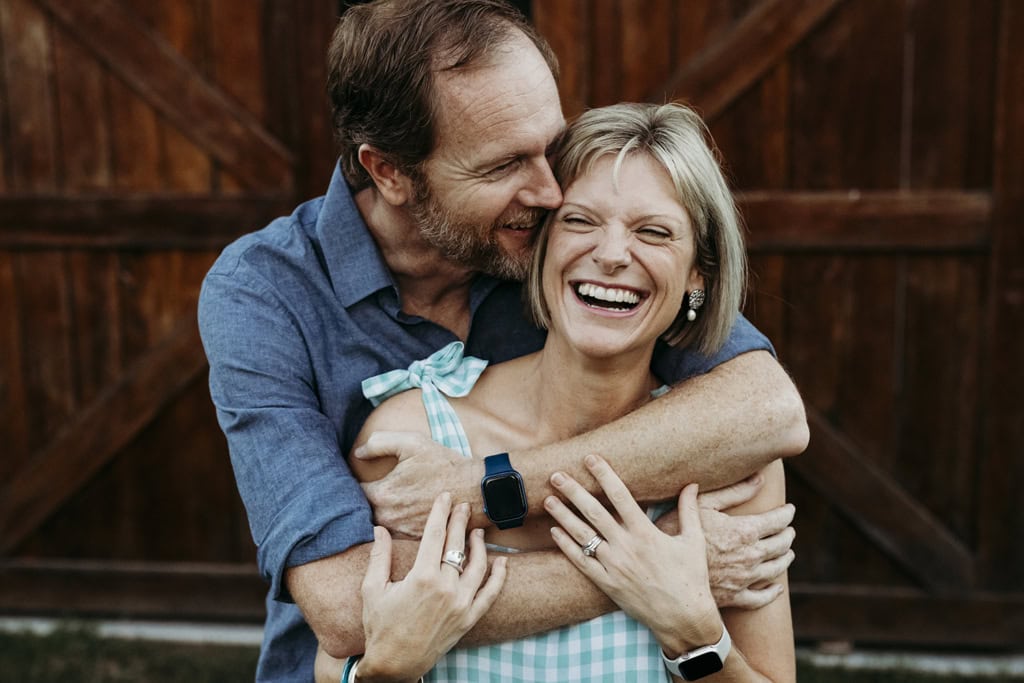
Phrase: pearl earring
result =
(695, 300)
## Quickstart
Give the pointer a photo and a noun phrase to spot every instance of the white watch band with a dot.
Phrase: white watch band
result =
(721, 648)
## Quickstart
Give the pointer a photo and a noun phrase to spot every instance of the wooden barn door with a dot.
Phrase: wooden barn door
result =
(878, 150)
(136, 140)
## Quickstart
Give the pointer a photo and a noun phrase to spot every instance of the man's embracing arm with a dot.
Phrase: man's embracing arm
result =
(714, 429)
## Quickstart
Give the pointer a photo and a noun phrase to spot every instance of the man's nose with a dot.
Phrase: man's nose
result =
(542, 191)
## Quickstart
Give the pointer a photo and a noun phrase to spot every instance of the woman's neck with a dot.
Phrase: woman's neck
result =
(573, 394)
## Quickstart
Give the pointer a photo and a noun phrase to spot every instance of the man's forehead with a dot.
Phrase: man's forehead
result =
(493, 110)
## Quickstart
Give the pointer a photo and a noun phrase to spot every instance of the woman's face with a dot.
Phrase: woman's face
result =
(619, 259)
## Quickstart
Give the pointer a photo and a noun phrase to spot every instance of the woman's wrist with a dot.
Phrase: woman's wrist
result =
(704, 630)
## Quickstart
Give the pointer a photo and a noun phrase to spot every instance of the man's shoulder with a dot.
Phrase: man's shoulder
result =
(285, 239)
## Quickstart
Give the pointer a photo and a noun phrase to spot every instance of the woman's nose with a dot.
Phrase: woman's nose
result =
(612, 250)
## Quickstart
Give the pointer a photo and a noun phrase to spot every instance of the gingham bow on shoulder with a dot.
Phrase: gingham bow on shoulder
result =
(445, 372)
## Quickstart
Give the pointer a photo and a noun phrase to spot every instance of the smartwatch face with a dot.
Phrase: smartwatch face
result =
(504, 496)
(700, 666)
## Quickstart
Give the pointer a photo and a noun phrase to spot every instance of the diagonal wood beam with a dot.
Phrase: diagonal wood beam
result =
(167, 81)
(723, 71)
(99, 432)
(883, 510)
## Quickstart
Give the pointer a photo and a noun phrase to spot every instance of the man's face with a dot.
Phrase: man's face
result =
(487, 184)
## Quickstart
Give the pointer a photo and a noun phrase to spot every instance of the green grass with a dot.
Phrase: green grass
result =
(76, 654)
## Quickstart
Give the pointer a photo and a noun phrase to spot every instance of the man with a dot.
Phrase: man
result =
(444, 113)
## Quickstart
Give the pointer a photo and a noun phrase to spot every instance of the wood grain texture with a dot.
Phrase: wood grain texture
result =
(1001, 516)
(97, 433)
(173, 87)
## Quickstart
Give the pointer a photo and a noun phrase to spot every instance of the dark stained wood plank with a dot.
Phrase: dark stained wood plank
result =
(855, 221)
(84, 118)
(186, 167)
(296, 36)
(950, 95)
(1001, 516)
(236, 46)
(163, 78)
(847, 110)
(97, 432)
(646, 49)
(137, 153)
(140, 221)
(169, 495)
(95, 337)
(229, 592)
(883, 510)
(871, 615)
(605, 45)
(870, 354)
(565, 26)
(940, 411)
(714, 78)
(14, 399)
(44, 297)
(29, 109)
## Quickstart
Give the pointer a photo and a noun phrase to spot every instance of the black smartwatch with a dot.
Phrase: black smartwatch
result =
(503, 492)
(701, 662)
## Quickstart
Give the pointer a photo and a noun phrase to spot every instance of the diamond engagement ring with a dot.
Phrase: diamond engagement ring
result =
(454, 558)
(590, 549)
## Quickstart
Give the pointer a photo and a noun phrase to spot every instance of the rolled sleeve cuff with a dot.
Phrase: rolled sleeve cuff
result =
(290, 544)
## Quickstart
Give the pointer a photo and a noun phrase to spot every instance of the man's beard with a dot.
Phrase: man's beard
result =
(468, 243)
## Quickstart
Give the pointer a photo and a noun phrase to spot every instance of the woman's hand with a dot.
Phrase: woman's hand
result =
(411, 623)
(658, 579)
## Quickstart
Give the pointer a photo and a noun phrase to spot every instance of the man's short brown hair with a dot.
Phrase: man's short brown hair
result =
(381, 67)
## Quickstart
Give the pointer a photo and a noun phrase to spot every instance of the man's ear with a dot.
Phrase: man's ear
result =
(393, 185)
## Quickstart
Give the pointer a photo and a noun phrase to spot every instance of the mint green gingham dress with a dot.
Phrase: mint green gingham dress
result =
(612, 648)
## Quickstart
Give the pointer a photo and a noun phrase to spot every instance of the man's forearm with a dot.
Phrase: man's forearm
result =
(714, 430)
(328, 593)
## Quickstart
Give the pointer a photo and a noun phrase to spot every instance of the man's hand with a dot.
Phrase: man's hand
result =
(746, 553)
(402, 499)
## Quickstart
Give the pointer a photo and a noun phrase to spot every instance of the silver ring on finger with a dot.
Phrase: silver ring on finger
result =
(590, 549)
(454, 558)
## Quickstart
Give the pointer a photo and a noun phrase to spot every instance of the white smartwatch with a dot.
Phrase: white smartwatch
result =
(701, 662)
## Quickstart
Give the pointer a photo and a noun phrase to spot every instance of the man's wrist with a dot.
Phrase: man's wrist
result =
(469, 491)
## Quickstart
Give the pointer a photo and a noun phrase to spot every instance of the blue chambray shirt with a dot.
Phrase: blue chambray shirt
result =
(293, 318)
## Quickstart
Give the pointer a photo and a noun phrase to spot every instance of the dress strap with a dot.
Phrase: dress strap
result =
(445, 372)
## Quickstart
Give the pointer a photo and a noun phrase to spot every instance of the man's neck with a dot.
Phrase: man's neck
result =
(429, 285)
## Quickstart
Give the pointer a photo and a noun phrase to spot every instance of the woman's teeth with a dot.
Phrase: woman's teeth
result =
(607, 297)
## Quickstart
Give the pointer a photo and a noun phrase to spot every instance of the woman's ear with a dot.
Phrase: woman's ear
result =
(696, 280)
(393, 185)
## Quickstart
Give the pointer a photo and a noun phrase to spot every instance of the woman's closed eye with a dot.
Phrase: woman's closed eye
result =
(653, 233)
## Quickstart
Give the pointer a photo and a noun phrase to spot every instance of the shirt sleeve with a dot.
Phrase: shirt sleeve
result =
(673, 365)
(302, 501)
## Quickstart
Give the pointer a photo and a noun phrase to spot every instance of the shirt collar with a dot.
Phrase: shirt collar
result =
(352, 258)
(353, 261)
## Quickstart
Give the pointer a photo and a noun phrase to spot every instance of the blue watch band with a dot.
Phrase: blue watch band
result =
(497, 464)
(503, 492)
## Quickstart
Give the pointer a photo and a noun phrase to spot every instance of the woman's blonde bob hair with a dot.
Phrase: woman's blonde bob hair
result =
(676, 137)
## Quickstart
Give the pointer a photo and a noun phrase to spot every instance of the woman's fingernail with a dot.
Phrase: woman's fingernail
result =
(549, 502)
(557, 478)
(590, 460)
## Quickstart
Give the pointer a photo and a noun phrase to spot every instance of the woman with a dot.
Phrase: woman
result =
(646, 246)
